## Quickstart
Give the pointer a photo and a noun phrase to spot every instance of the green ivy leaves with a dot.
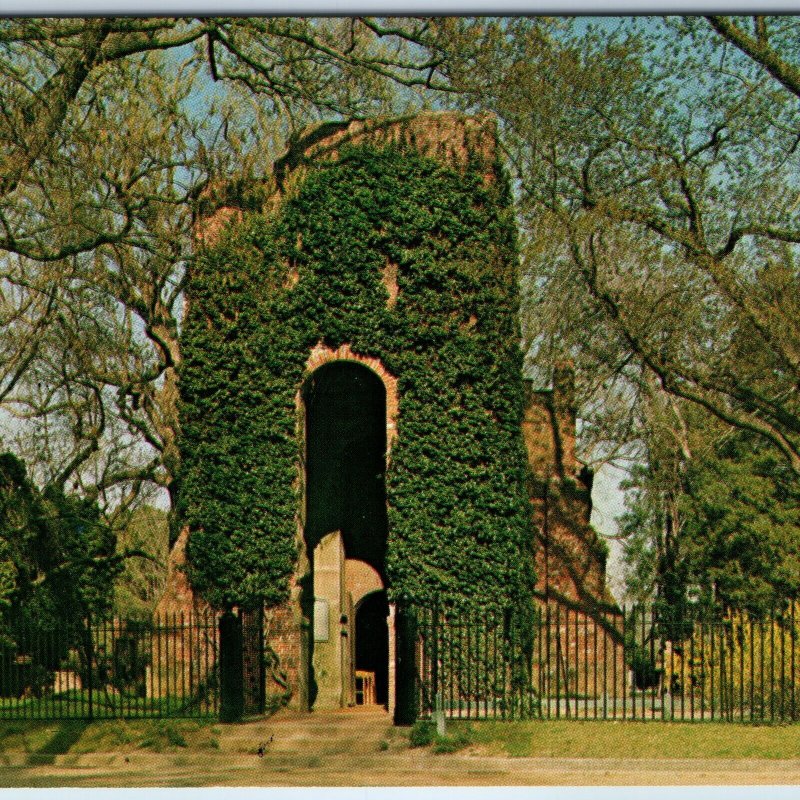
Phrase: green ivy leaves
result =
(459, 516)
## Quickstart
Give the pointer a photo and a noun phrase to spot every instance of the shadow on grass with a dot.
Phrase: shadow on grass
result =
(67, 734)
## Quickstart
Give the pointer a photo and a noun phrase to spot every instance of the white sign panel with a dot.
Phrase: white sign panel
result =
(321, 621)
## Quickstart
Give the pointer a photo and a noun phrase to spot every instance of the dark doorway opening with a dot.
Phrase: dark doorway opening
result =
(345, 488)
(372, 642)
(346, 459)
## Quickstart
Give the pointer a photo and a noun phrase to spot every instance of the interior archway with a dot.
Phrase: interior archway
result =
(345, 407)
(372, 642)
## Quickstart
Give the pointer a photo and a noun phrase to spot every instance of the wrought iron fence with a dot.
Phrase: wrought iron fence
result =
(167, 666)
(474, 665)
(629, 663)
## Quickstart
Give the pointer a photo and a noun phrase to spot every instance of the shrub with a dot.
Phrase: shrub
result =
(422, 733)
(456, 741)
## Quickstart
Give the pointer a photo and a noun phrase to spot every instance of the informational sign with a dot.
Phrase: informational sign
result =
(321, 621)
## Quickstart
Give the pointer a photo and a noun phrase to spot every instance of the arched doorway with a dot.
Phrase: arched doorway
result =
(345, 523)
(372, 645)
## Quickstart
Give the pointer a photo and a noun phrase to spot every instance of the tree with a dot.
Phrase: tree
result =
(95, 405)
(655, 163)
(59, 562)
(741, 525)
(653, 528)
(668, 185)
(57, 72)
(720, 528)
(58, 557)
(142, 581)
(105, 158)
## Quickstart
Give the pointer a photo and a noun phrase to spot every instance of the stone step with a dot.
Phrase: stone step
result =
(312, 735)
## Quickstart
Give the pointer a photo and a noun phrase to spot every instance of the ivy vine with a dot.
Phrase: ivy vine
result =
(459, 514)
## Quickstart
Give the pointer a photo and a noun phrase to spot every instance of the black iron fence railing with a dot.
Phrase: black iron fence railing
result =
(167, 666)
(556, 663)
(473, 665)
(627, 664)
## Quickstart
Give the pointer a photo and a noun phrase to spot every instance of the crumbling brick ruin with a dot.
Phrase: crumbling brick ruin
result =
(570, 558)
(570, 561)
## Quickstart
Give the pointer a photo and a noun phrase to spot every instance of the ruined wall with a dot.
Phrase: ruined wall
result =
(178, 596)
(454, 368)
(570, 557)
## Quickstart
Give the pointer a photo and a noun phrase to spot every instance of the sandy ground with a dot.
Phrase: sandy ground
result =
(360, 749)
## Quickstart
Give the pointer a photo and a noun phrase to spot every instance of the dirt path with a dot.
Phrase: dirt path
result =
(361, 749)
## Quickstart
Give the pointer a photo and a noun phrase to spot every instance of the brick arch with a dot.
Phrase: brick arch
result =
(321, 354)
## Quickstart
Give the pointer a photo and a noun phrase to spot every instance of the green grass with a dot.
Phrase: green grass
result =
(45, 739)
(28, 737)
(423, 733)
(454, 740)
(74, 704)
(576, 739)
(41, 741)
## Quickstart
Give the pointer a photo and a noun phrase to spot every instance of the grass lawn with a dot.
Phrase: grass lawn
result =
(540, 739)
(577, 739)
(40, 739)
(335, 749)
(75, 704)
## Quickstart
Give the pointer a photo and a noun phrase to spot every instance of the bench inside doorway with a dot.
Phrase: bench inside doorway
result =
(365, 688)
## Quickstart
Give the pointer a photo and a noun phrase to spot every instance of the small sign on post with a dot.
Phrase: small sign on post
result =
(321, 620)
(438, 714)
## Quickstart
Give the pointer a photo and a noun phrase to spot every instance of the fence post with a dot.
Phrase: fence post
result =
(434, 633)
(438, 705)
(406, 687)
(90, 660)
(231, 668)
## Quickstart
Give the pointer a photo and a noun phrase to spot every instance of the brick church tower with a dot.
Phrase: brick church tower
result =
(368, 358)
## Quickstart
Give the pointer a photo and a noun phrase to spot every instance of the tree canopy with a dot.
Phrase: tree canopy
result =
(57, 556)
(112, 129)
(654, 164)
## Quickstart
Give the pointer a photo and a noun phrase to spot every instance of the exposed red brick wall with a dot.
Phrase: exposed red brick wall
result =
(579, 655)
(208, 233)
(570, 561)
(450, 137)
(178, 596)
(283, 638)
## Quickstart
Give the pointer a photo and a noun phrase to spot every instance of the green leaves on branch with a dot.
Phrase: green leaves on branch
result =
(57, 557)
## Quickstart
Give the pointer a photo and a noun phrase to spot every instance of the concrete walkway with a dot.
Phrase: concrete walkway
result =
(359, 747)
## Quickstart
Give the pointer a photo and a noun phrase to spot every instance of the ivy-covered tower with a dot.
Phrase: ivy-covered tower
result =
(352, 398)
